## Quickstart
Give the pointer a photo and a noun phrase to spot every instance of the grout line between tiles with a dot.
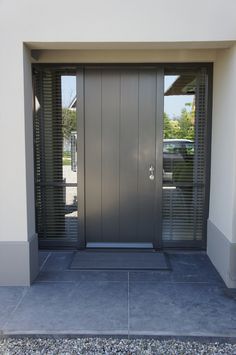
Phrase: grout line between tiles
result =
(78, 281)
(46, 259)
(54, 282)
(179, 282)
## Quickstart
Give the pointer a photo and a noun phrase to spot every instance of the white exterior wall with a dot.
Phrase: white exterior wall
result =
(221, 238)
(13, 211)
(111, 31)
(223, 157)
(118, 21)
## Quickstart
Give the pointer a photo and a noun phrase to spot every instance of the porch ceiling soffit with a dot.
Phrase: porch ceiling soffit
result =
(123, 56)
(128, 45)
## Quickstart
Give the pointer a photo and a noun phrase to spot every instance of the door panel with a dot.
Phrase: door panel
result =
(120, 108)
(93, 154)
(110, 155)
(129, 134)
(147, 144)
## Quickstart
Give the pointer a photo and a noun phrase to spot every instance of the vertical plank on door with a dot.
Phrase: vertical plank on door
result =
(146, 187)
(110, 154)
(93, 150)
(129, 127)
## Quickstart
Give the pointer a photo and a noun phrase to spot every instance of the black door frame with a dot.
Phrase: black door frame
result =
(58, 244)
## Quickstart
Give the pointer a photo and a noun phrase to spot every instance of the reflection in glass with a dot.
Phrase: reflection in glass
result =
(55, 140)
(183, 182)
(71, 211)
(69, 159)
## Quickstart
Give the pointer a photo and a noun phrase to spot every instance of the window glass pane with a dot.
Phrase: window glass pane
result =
(55, 135)
(184, 144)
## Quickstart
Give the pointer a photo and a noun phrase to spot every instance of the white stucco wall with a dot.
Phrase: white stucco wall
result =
(13, 211)
(223, 159)
(119, 21)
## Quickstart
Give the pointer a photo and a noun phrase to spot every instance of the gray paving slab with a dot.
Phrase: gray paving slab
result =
(9, 299)
(181, 309)
(194, 268)
(189, 267)
(58, 261)
(84, 307)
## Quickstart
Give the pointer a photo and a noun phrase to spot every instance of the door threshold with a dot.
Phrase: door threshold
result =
(119, 245)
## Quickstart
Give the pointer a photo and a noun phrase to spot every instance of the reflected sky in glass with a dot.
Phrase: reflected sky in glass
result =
(173, 104)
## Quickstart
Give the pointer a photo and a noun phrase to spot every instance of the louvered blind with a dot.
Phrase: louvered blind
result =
(55, 181)
(184, 162)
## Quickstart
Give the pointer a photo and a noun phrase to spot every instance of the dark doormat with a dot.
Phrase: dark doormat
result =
(119, 260)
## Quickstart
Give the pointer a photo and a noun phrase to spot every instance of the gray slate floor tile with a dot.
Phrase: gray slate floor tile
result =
(58, 261)
(181, 309)
(194, 267)
(9, 298)
(88, 307)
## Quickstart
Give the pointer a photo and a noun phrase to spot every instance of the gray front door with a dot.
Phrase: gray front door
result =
(122, 156)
